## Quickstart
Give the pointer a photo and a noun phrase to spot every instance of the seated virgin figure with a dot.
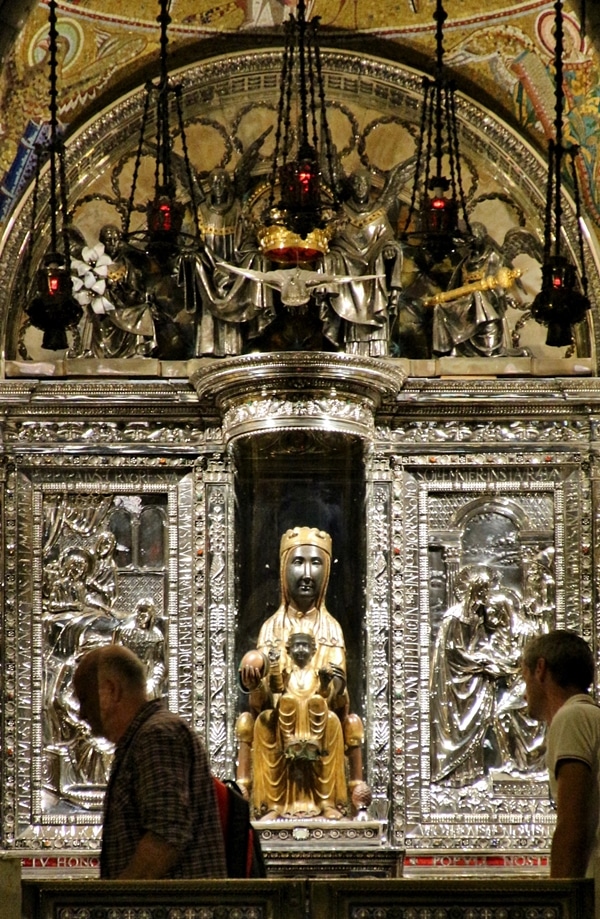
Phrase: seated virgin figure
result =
(299, 746)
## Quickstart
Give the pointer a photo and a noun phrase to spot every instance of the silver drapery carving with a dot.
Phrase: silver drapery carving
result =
(477, 708)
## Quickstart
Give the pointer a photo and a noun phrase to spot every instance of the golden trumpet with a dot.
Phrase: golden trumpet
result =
(504, 278)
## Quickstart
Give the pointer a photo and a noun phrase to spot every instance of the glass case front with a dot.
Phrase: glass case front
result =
(301, 478)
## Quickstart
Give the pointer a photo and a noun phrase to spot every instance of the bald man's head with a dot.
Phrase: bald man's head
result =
(110, 684)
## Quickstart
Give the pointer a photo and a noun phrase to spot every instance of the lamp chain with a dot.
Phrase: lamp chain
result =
(138, 158)
(53, 36)
(573, 152)
(558, 123)
(282, 115)
(457, 179)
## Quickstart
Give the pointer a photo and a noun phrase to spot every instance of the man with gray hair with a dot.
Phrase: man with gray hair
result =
(558, 668)
(160, 811)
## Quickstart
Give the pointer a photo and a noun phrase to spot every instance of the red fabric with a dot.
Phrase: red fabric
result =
(222, 794)
(222, 801)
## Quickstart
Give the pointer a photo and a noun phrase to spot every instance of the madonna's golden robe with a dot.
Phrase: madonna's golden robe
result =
(298, 749)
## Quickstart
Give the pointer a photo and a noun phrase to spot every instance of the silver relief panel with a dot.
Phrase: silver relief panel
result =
(487, 550)
(98, 550)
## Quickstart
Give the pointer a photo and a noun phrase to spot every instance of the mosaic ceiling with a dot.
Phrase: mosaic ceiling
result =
(503, 54)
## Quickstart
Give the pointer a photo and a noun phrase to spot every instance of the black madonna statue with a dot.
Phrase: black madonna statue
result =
(299, 746)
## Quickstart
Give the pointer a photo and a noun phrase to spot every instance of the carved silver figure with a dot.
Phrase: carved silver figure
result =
(126, 330)
(468, 657)
(142, 634)
(80, 590)
(479, 720)
(231, 308)
(470, 317)
(366, 244)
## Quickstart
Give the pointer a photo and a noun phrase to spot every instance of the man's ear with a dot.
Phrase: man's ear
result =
(111, 687)
(541, 669)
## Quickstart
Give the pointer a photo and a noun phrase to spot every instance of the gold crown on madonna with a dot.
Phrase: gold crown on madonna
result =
(306, 536)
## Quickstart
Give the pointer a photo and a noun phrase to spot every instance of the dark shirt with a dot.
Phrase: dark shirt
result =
(160, 782)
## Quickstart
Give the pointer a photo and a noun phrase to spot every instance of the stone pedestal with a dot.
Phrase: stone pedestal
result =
(325, 848)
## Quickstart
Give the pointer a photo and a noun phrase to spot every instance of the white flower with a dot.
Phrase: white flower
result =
(89, 284)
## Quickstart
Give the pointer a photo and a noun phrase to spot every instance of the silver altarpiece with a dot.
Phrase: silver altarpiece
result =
(421, 468)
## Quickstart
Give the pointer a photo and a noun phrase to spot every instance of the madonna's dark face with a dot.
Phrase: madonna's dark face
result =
(304, 575)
